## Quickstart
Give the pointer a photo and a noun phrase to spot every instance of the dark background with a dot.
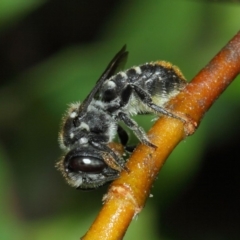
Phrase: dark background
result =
(51, 54)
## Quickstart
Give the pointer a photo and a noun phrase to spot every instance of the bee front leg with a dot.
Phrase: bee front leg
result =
(110, 157)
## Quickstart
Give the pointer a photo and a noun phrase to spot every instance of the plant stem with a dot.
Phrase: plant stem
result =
(127, 195)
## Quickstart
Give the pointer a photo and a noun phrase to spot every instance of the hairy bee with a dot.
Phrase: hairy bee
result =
(88, 128)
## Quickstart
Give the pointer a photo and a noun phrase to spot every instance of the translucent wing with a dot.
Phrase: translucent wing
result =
(117, 62)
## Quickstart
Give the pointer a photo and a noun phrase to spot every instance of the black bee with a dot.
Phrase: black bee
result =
(89, 127)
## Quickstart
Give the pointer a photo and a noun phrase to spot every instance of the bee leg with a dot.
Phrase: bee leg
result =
(131, 148)
(146, 98)
(138, 131)
(110, 157)
(126, 94)
(123, 137)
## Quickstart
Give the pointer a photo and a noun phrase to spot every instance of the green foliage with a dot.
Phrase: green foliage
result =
(13, 11)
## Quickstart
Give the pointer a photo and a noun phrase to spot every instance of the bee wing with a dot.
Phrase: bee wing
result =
(117, 62)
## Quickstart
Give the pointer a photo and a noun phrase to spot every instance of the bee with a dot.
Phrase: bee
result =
(89, 127)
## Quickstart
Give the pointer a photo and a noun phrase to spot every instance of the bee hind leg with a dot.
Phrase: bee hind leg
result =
(147, 99)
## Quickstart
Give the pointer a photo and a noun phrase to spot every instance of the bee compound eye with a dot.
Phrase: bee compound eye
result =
(86, 164)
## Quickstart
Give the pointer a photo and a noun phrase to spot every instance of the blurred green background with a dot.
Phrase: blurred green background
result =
(51, 54)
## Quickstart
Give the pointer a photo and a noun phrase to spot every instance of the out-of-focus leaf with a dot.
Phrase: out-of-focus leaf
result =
(11, 11)
(10, 225)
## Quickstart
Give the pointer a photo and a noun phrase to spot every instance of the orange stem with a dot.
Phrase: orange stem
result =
(127, 195)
